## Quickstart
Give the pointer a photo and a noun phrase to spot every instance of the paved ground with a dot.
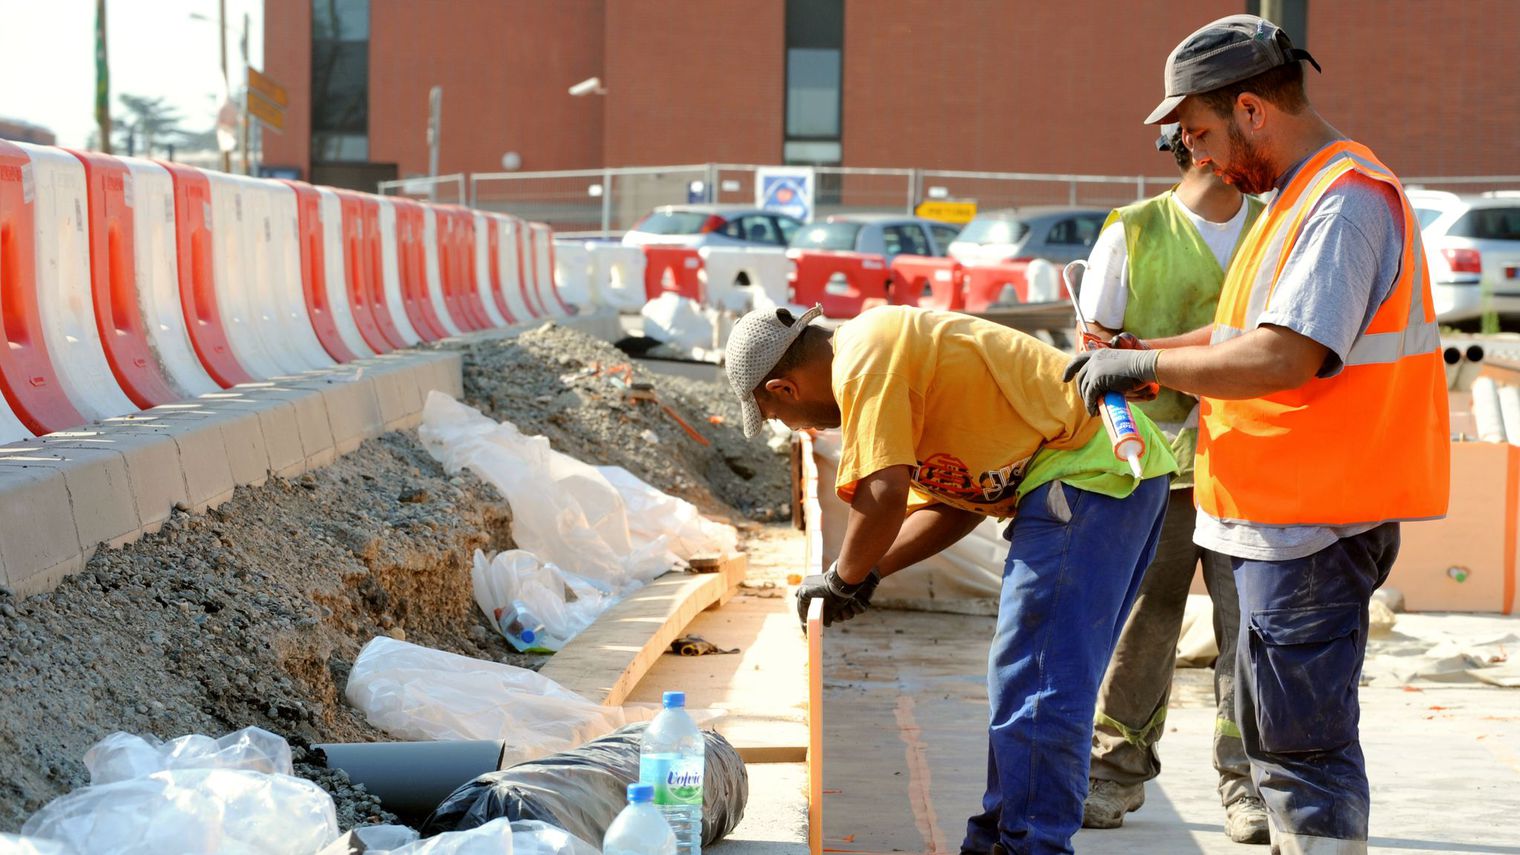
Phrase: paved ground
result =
(905, 750)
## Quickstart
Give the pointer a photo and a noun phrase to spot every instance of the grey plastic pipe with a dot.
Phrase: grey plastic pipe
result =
(411, 778)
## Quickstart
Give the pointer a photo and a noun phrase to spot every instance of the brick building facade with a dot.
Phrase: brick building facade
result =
(1001, 85)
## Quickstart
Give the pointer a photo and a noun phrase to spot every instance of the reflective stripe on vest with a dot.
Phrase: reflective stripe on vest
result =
(1364, 446)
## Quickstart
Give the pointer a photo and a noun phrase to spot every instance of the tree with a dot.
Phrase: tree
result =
(149, 122)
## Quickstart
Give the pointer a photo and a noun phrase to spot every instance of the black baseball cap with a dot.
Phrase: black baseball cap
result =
(1226, 51)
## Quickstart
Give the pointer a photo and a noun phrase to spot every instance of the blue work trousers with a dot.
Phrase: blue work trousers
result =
(1075, 561)
(1303, 634)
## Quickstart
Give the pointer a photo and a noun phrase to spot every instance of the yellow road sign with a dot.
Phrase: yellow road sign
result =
(265, 112)
(950, 212)
(271, 90)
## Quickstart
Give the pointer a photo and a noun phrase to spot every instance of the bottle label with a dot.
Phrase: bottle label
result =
(677, 780)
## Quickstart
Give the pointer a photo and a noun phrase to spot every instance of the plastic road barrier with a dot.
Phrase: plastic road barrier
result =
(315, 255)
(390, 271)
(572, 274)
(932, 282)
(509, 250)
(62, 280)
(488, 270)
(433, 264)
(543, 257)
(292, 329)
(197, 282)
(1004, 283)
(618, 272)
(672, 268)
(412, 262)
(739, 279)
(843, 282)
(456, 237)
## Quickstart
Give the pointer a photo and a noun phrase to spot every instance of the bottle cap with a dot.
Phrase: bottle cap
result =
(675, 700)
(528, 636)
(639, 794)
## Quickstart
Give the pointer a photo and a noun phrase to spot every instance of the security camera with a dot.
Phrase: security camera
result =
(589, 86)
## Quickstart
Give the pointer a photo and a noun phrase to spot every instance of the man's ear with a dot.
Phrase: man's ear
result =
(1250, 110)
(782, 387)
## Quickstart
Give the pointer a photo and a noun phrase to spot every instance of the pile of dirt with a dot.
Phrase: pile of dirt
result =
(252, 613)
(574, 389)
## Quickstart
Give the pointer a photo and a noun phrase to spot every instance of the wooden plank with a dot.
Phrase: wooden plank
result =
(606, 661)
(815, 726)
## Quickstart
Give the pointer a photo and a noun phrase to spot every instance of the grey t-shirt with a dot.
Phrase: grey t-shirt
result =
(1336, 278)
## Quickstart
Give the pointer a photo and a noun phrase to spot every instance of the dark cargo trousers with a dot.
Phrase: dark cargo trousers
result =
(1131, 715)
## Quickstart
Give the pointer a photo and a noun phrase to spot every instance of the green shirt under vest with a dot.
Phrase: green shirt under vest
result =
(1174, 283)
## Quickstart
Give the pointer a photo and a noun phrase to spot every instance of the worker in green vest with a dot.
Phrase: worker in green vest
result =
(1156, 271)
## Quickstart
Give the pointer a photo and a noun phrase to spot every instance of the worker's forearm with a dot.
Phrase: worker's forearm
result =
(1262, 362)
(926, 533)
(876, 516)
(1196, 338)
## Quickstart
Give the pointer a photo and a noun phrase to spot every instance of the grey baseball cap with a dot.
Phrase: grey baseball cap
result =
(757, 343)
(1227, 51)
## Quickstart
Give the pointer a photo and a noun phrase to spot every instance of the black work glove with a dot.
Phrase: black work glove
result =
(1099, 372)
(841, 600)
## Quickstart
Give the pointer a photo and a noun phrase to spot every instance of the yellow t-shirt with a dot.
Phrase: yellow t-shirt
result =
(966, 403)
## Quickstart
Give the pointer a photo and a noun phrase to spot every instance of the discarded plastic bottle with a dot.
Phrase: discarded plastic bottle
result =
(672, 758)
(639, 829)
(521, 629)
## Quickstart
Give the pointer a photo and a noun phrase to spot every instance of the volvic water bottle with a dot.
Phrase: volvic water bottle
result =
(639, 829)
(673, 757)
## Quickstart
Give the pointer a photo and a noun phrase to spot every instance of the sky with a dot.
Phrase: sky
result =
(47, 58)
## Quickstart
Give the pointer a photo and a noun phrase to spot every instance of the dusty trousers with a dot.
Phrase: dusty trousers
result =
(1303, 636)
(1132, 701)
(1075, 561)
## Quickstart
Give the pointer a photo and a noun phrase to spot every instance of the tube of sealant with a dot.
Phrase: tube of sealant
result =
(1117, 418)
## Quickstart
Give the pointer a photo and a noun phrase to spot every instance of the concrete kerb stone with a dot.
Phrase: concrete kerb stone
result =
(242, 433)
(353, 408)
(104, 508)
(152, 462)
(283, 452)
(202, 453)
(311, 418)
(39, 544)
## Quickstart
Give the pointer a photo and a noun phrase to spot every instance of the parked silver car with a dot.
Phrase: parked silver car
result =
(712, 225)
(887, 235)
(1056, 234)
(1472, 244)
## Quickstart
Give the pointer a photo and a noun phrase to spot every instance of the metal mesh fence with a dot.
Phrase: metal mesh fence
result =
(443, 189)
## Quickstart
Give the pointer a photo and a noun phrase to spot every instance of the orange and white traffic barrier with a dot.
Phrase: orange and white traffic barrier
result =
(543, 258)
(488, 269)
(509, 251)
(844, 283)
(988, 285)
(433, 265)
(412, 263)
(929, 281)
(618, 274)
(197, 281)
(572, 274)
(737, 279)
(390, 271)
(318, 255)
(672, 268)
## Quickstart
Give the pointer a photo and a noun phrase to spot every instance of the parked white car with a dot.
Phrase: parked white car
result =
(712, 225)
(1472, 243)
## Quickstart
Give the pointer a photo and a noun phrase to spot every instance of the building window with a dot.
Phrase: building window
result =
(339, 80)
(814, 81)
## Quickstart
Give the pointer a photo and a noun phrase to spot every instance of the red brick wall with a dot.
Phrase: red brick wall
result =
(287, 60)
(1431, 87)
(504, 66)
(693, 81)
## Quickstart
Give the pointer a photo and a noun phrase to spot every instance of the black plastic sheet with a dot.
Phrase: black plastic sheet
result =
(583, 790)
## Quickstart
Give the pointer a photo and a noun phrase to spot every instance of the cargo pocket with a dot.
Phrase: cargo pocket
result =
(1304, 664)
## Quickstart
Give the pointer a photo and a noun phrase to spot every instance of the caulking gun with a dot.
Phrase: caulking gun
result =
(1117, 418)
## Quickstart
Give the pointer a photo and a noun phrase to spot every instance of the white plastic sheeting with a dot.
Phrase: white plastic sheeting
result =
(677, 321)
(195, 794)
(417, 693)
(564, 511)
(12, 844)
(653, 513)
(561, 603)
(497, 837)
(63, 286)
(156, 266)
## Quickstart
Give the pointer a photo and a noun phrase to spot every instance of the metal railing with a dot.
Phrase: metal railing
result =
(609, 201)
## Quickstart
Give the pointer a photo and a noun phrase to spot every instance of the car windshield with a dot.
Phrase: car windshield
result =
(1488, 224)
(993, 230)
(837, 236)
(672, 223)
(1427, 215)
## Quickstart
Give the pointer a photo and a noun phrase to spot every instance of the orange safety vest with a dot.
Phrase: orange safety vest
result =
(1365, 446)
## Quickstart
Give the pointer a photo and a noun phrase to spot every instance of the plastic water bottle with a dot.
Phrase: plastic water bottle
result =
(672, 758)
(639, 829)
(522, 630)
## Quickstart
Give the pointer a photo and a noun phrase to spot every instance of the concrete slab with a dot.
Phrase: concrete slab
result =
(39, 545)
(905, 725)
(152, 462)
(353, 410)
(775, 818)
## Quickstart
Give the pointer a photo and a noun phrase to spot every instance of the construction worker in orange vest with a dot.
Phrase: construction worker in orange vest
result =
(1324, 412)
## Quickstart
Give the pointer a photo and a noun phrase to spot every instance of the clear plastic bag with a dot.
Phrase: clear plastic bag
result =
(582, 791)
(515, 581)
(677, 321)
(11, 844)
(123, 756)
(228, 811)
(414, 692)
(654, 514)
(563, 511)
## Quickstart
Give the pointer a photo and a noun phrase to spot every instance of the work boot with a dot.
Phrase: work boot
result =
(1108, 802)
(1245, 820)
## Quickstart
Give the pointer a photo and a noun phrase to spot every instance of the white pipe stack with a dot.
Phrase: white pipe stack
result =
(1509, 410)
(1486, 411)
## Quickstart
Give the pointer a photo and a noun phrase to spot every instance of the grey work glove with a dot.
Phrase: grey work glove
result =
(842, 600)
(1099, 372)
